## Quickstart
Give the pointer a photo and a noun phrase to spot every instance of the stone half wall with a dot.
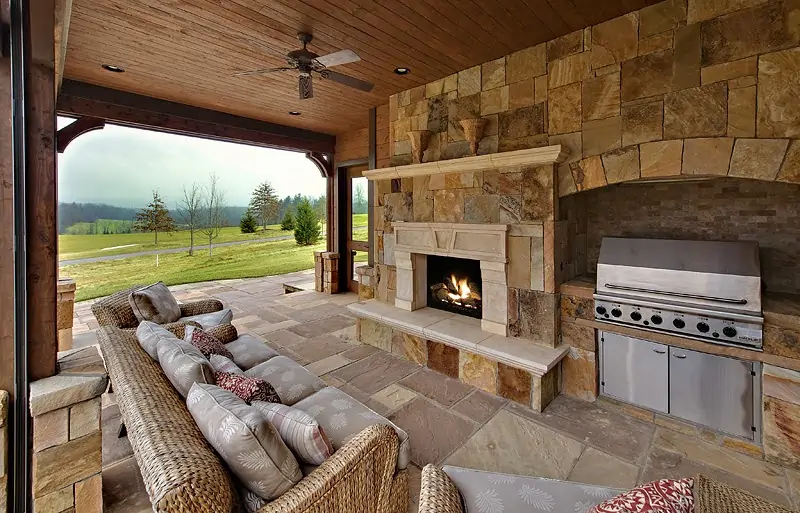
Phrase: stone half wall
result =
(698, 87)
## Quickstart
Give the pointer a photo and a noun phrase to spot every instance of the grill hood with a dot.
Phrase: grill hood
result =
(721, 276)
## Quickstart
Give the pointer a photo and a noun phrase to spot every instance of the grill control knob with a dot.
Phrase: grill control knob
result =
(616, 312)
(678, 323)
(656, 319)
(636, 316)
(729, 331)
(702, 327)
(601, 310)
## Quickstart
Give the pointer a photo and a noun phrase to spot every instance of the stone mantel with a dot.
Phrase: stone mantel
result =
(530, 157)
(485, 242)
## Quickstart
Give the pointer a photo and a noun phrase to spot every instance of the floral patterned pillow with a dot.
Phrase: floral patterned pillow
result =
(662, 496)
(206, 343)
(246, 388)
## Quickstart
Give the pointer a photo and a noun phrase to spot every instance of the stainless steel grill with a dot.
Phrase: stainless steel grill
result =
(699, 289)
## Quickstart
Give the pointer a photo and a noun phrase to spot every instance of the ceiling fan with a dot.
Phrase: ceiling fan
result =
(307, 62)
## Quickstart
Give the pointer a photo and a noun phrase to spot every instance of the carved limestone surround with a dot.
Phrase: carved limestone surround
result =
(486, 243)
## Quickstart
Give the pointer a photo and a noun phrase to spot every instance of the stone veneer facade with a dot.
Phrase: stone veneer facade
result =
(684, 87)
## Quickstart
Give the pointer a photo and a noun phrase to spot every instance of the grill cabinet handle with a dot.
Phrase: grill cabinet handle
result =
(678, 294)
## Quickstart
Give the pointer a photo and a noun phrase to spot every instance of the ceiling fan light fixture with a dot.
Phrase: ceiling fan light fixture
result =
(294, 112)
(402, 71)
(112, 68)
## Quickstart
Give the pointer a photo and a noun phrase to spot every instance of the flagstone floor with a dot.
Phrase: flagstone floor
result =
(598, 443)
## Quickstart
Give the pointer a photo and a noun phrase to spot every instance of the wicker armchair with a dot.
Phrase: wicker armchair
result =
(182, 473)
(116, 311)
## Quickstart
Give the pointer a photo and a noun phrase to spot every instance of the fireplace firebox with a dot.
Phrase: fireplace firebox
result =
(454, 285)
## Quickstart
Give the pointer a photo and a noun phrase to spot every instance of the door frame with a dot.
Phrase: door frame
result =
(344, 223)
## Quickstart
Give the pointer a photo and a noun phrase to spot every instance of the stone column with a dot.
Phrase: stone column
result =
(366, 282)
(66, 305)
(326, 272)
(67, 437)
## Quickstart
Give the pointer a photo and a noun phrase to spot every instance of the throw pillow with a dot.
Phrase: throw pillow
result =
(149, 334)
(299, 431)
(245, 439)
(183, 364)
(206, 343)
(252, 502)
(222, 364)
(662, 496)
(246, 388)
(155, 303)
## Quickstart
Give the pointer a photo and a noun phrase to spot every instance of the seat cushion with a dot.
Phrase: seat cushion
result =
(222, 364)
(290, 379)
(183, 364)
(212, 319)
(491, 491)
(248, 351)
(245, 439)
(342, 417)
(148, 334)
(155, 303)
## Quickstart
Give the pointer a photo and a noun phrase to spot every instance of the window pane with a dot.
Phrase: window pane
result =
(360, 209)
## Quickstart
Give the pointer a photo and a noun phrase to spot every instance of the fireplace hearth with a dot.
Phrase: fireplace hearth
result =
(454, 285)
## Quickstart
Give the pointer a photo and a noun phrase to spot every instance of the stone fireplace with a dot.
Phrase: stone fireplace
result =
(482, 245)
(454, 285)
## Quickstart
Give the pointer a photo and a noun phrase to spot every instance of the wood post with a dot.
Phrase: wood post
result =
(42, 236)
(7, 214)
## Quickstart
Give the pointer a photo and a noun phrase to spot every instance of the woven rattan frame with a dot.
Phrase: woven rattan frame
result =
(182, 473)
(437, 493)
(711, 496)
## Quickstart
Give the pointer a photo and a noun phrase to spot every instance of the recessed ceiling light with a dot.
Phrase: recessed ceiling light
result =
(294, 112)
(112, 68)
(402, 71)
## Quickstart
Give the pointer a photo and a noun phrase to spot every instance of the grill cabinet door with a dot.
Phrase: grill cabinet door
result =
(635, 371)
(712, 390)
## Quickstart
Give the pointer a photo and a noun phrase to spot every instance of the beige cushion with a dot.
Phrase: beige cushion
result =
(299, 431)
(148, 334)
(342, 418)
(223, 364)
(209, 320)
(290, 379)
(183, 364)
(155, 303)
(245, 439)
(248, 351)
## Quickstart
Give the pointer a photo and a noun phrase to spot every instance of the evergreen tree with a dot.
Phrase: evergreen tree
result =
(265, 204)
(154, 218)
(306, 225)
(288, 222)
(248, 224)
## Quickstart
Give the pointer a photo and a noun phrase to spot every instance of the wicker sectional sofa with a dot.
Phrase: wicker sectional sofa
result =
(182, 473)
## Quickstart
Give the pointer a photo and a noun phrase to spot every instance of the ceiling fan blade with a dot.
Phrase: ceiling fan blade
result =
(346, 80)
(305, 86)
(261, 71)
(338, 58)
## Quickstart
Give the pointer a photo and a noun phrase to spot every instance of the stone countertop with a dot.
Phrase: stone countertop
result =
(781, 309)
(582, 286)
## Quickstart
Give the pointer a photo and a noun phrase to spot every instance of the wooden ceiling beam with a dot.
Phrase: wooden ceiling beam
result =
(63, 15)
(81, 99)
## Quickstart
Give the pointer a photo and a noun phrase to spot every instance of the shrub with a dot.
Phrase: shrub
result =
(248, 224)
(288, 222)
(306, 227)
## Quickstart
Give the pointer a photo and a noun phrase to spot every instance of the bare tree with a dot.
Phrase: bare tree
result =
(211, 216)
(189, 210)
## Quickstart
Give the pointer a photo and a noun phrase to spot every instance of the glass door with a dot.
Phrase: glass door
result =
(357, 221)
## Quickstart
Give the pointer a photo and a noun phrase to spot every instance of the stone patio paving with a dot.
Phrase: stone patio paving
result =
(600, 443)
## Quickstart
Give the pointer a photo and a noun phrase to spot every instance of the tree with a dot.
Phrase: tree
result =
(359, 200)
(265, 204)
(154, 218)
(288, 222)
(189, 211)
(212, 218)
(306, 226)
(321, 207)
(248, 224)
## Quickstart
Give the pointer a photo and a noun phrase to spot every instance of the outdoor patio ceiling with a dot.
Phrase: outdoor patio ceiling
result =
(188, 51)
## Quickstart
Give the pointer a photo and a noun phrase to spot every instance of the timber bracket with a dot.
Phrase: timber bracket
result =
(323, 161)
(75, 129)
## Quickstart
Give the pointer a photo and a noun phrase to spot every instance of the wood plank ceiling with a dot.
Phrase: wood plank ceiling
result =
(187, 51)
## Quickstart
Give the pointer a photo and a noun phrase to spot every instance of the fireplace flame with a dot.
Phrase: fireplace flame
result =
(462, 288)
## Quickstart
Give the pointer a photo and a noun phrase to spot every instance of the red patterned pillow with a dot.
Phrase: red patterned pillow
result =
(662, 496)
(206, 343)
(247, 388)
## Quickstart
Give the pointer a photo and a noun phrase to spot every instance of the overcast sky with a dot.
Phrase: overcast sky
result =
(121, 166)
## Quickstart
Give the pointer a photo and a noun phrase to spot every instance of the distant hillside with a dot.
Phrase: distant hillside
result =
(73, 213)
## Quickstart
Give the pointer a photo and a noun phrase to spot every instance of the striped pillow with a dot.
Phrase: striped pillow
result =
(298, 430)
(222, 364)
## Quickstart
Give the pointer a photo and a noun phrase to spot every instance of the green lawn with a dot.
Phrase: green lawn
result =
(72, 247)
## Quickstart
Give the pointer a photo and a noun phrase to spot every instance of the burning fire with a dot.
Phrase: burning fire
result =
(460, 286)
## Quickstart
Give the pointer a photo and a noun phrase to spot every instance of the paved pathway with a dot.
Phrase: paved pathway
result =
(599, 443)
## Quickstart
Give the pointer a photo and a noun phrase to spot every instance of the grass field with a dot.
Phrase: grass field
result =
(72, 247)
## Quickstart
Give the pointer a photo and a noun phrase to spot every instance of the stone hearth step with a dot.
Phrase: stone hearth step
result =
(463, 333)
